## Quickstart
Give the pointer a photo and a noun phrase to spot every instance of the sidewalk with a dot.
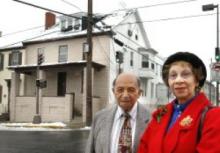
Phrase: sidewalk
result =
(55, 126)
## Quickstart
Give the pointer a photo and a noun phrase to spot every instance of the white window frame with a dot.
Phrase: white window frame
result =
(145, 60)
(63, 53)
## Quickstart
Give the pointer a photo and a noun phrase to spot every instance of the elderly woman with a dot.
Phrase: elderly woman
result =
(179, 127)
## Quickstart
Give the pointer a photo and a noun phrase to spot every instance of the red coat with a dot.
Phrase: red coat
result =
(181, 138)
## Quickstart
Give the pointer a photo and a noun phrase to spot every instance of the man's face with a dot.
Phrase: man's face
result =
(126, 91)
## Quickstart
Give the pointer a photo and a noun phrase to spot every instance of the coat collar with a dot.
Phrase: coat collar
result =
(186, 121)
(193, 110)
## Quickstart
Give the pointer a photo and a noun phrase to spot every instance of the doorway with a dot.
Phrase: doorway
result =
(61, 83)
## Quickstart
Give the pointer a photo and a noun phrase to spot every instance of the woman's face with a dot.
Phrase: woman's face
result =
(182, 81)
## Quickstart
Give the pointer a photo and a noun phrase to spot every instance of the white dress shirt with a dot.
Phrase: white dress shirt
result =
(117, 125)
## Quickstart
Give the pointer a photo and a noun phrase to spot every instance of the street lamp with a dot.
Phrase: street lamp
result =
(210, 7)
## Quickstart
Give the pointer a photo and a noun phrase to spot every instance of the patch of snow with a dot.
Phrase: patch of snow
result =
(56, 126)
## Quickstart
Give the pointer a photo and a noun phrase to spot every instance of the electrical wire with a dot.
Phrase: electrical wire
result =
(47, 9)
(168, 19)
(6, 46)
(105, 50)
(107, 55)
(20, 31)
(154, 5)
(71, 4)
(148, 21)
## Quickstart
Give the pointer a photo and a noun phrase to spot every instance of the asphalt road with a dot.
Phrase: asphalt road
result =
(43, 141)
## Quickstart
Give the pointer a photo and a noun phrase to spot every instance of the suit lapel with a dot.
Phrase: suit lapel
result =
(108, 128)
(141, 122)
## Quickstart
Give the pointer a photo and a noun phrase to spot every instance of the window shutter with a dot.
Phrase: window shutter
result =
(0, 93)
(19, 58)
(1, 61)
(10, 59)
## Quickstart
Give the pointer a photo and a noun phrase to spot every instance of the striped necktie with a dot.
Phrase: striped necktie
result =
(125, 138)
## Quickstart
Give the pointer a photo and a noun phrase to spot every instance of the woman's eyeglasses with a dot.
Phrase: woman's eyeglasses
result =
(184, 75)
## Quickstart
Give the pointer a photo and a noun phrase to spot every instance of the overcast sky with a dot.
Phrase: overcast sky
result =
(169, 24)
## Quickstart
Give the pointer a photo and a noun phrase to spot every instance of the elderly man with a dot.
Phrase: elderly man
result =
(118, 129)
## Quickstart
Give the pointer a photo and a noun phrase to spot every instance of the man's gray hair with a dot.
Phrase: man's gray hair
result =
(137, 78)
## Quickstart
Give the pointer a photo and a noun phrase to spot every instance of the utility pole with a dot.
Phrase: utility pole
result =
(89, 65)
(37, 117)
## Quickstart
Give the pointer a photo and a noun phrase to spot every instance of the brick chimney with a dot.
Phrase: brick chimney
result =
(50, 20)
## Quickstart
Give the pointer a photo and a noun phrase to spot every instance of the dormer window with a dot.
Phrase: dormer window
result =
(66, 24)
(76, 24)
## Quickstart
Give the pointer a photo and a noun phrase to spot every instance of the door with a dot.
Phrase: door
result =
(61, 83)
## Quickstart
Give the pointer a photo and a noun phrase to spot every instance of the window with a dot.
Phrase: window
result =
(152, 66)
(145, 62)
(15, 58)
(66, 24)
(131, 59)
(136, 37)
(130, 33)
(77, 24)
(144, 86)
(63, 52)
(1, 61)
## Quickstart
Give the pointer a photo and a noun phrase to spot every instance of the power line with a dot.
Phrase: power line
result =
(172, 18)
(155, 5)
(105, 50)
(128, 38)
(27, 39)
(71, 4)
(20, 31)
(155, 20)
(90, 21)
(47, 9)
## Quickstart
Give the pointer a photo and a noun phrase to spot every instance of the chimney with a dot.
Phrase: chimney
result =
(0, 33)
(50, 20)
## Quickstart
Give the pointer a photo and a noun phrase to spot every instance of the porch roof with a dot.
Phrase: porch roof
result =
(25, 68)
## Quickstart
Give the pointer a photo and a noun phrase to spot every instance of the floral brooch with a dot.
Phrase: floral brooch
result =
(161, 111)
(186, 121)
